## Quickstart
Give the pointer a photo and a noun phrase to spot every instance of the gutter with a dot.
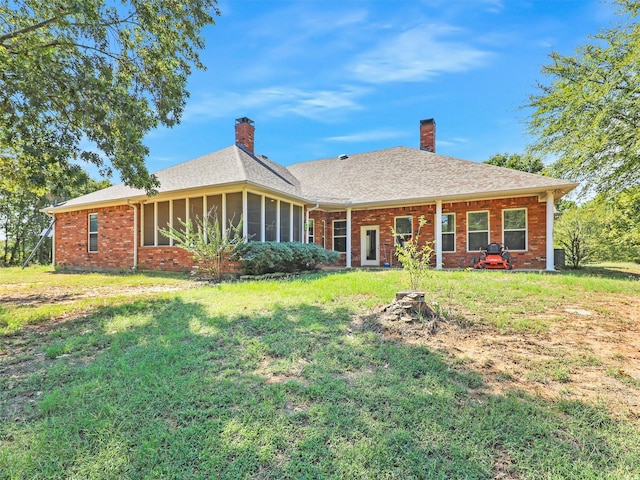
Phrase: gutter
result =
(135, 234)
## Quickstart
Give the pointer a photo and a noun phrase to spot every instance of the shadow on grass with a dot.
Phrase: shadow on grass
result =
(616, 272)
(165, 389)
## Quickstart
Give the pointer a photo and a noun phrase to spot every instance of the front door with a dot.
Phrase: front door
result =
(370, 246)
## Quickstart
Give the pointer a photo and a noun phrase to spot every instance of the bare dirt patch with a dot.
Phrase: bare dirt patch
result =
(588, 353)
(16, 294)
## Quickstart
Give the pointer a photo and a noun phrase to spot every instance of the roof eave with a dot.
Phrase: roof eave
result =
(558, 190)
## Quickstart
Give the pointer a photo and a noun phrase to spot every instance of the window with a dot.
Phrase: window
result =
(234, 209)
(214, 207)
(514, 228)
(311, 227)
(254, 217)
(179, 214)
(148, 214)
(477, 230)
(403, 229)
(448, 232)
(285, 222)
(297, 223)
(340, 236)
(93, 232)
(271, 219)
(163, 222)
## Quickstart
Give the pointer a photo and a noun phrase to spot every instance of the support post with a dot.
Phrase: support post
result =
(549, 239)
(438, 238)
(348, 237)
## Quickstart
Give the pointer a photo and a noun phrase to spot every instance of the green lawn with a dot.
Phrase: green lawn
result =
(270, 380)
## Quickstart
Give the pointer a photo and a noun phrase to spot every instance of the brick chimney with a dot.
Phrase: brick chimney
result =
(428, 135)
(244, 133)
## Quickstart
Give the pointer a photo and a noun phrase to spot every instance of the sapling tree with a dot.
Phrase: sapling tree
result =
(208, 243)
(415, 257)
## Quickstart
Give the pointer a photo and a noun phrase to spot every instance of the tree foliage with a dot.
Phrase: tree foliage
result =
(22, 222)
(578, 234)
(85, 80)
(525, 163)
(587, 116)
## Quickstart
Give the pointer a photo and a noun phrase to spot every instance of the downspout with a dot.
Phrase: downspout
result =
(135, 234)
(349, 236)
(307, 220)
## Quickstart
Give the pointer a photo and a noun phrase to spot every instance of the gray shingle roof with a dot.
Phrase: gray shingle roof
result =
(227, 166)
(397, 174)
(393, 175)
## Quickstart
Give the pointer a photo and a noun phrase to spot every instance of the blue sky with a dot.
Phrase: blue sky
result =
(320, 77)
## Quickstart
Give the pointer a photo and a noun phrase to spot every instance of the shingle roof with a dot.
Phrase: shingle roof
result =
(393, 175)
(228, 166)
(399, 174)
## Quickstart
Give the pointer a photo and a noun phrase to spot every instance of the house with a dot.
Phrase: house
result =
(349, 204)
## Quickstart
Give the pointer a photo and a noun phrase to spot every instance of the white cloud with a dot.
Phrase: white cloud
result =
(368, 136)
(418, 54)
(277, 101)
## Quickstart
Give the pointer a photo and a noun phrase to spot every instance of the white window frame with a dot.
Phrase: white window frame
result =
(90, 232)
(488, 231)
(334, 236)
(406, 236)
(451, 214)
(525, 229)
(311, 231)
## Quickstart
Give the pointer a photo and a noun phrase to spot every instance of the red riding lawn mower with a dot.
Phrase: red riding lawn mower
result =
(495, 256)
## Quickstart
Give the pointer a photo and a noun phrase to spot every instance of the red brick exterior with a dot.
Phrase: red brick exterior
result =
(533, 258)
(116, 236)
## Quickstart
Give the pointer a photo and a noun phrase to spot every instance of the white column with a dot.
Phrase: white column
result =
(438, 234)
(349, 237)
(549, 240)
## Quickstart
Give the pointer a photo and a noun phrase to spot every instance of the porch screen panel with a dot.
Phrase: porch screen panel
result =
(163, 222)
(271, 219)
(179, 213)
(214, 207)
(297, 223)
(196, 210)
(234, 209)
(254, 217)
(285, 222)
(478, 230)
(149, 225)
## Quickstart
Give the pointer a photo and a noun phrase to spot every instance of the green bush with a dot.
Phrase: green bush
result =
(259, 258)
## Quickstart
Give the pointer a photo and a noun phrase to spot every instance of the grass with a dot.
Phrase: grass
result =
(268, 380)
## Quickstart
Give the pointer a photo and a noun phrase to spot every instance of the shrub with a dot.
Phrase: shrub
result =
(259, 258)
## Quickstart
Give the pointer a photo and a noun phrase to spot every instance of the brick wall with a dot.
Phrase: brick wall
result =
(534, 257)
(116, 237)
